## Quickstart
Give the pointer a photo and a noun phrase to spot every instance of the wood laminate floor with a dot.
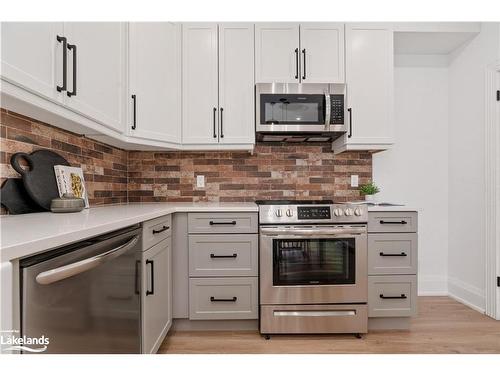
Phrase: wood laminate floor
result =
(442, 326)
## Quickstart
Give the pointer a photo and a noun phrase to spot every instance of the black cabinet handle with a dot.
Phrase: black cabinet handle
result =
(349, 135)
(65, 62)
(221, 123)
(393, 222)
(213, 299)
(304, 54)
(163, 229)
(215, 133)
(152, 291)
(134, 123)
(296, 63)
(222, 223)
(402, 296)
(223, 256)
(73, 48)
(402, 254)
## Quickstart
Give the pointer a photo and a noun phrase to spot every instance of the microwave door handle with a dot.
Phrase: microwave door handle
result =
(328, 111)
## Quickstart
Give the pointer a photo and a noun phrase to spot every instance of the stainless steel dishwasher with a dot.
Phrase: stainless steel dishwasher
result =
(85, 298)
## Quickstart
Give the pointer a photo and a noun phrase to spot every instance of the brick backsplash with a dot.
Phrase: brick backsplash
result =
(104, 167)
(113, 175)
(273, 171)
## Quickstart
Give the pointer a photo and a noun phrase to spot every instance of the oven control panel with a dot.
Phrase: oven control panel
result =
(314, 212)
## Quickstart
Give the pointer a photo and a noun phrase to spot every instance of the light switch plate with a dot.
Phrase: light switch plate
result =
(354, 180)
(200, 181)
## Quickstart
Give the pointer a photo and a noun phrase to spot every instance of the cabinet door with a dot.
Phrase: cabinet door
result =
(322, 52)
(100, 71)
(236, 83)
(155, 80)
(277, 52)
(32, 57)
(156, 295)
(369, 74)
(200, 105)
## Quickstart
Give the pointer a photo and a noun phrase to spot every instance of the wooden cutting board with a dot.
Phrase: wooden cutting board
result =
(15, 199)
(39, 179)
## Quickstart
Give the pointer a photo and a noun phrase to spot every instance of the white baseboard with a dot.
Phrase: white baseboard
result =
(432, 285)
(467, 294)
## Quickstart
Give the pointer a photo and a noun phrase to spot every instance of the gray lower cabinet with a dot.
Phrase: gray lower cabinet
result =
(392, 296)
(156, 291)
(223, 255)
(223, 266)
(392, 264)
(223, 298)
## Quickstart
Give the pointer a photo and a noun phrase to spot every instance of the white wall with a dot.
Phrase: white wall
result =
(466, 166)
(415, 170)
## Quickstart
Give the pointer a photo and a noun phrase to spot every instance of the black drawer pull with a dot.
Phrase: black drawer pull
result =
(222, 223)
(393, 222)
(402, 296)
(402, 254)
(213, 299)
(73, 48)
(163, 229)
(223, 256)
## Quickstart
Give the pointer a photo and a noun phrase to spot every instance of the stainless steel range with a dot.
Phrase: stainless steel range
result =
(313, 267)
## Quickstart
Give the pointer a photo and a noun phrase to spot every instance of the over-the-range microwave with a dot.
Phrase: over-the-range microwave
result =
(300, 112)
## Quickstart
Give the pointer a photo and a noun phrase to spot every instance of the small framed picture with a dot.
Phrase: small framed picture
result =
(70, 180)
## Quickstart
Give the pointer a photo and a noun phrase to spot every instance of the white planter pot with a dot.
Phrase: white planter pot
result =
(370, 197)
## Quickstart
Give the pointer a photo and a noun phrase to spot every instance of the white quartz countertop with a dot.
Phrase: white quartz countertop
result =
(23, 235)
(391, 208)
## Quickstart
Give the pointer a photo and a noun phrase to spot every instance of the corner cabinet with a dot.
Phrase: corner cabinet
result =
(292, 53)
(370, 88)
(70, 74)
(37, 68)
(154, 100)
(218, 86)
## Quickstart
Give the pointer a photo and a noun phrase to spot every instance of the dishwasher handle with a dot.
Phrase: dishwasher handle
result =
(63, 272)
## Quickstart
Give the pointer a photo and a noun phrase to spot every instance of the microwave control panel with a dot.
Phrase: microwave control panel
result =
(337, 109)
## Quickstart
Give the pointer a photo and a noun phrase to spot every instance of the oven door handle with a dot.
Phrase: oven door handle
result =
(313, 232)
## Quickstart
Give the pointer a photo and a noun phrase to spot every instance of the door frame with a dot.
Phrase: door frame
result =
(492, 182)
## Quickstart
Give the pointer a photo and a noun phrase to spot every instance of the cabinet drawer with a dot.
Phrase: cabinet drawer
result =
(392, 222)
(392, 296)
(223, 255)
(156, 230)
(223, 298)
(223, 222)
(392, 253)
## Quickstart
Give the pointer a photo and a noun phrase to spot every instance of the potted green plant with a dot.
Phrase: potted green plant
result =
(369, 190)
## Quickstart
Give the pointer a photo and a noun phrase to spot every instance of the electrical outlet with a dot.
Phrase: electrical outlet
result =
(200, 181)
(354, 180)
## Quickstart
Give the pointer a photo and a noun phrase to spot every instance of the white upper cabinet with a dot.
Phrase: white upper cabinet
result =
(236, 83)
(370, 88)
(154, 81)
(306, 52)
(200, 106)
(32, 56)
(97, 50)
(277, 52)
(218, 86)
(322, 52)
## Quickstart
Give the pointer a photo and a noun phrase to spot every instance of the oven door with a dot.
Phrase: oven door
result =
(313, 265)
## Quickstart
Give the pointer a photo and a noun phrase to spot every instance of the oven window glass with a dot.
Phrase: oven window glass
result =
(292, 109)
(313, 261)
